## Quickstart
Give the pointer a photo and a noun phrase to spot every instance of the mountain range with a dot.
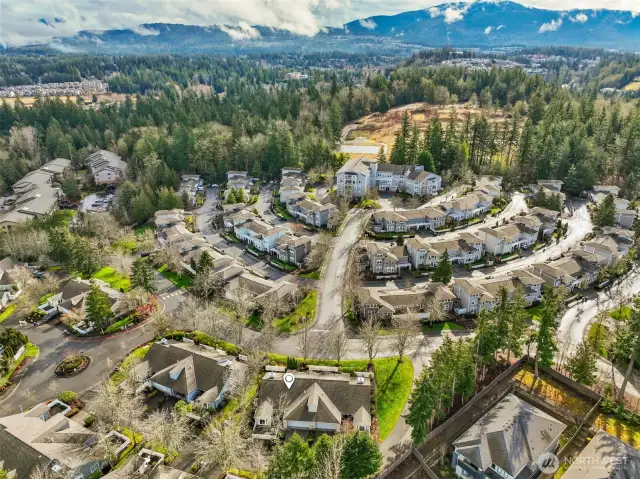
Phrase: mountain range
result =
(479, 24)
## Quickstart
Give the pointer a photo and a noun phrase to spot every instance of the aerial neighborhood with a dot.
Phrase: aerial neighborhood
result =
(314, 266)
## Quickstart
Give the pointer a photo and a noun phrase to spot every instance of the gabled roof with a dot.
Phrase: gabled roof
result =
(313, 405)
(512, 436)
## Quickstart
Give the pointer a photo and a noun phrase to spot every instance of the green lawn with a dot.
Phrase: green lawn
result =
(139, 353)
(619, 313)
(438, 327)
(534, 312)
(115, 280)
(285, 266)
(394, 381)
(141, 229)
(495, 210)
(43, 299)
(31, 351)
(599, 338)
(7, 312)
(305, 312)
(126, 321)
(183, 281)
(315, 274)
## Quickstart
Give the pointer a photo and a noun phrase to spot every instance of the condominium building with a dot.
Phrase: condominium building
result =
(465, 249)
(508, 238)
(386, 303)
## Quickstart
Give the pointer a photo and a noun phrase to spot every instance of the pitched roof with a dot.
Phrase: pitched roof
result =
(512, 435)
(8, 263)
(392, 168)
(356, 165)
(605, 457)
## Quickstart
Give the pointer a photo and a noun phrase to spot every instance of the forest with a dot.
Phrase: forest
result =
(259, 124)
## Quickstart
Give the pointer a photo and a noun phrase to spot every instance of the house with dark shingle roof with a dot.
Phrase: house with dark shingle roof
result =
(506, 442)
(322, 402)
(190, 372)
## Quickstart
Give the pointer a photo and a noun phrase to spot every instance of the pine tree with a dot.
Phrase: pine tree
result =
(291, 459)
(443, 272)
(546, 335)
(422, 404)
(413, 146)
(582, 366)
(361, 456)
(98, 308)
(436, 143)
(205, 263)
(606, 213)
(382, 157)
(143, 275)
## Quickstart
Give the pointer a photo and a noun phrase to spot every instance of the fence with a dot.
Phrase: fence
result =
(412, 451)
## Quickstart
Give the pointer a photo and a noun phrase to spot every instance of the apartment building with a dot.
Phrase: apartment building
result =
(468, 206)
(542, 219)
(465, 249)
(576, 270)
(475, 296)
(259, 234)
(626, 218)
(357, 176)
(408, 220)
(310, 211)
(292, 249)
(508, 238)
(384, 303)
(384, 259)
(107, 168)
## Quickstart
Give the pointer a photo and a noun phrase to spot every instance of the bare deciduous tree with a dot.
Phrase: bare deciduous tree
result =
(121, 262)
(241, 305)
(371, 339)
(405, 329)
(337, 342)
(304, 343)
(27, 245)
(134, 299)
(435, 311)
(23, 143)
(225, 445)
(168, 429)
(319, 251)
(161, 324)
(329, 460)
(115, 406)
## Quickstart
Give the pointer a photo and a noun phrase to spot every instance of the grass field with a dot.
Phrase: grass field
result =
(7, 312)
(599, 338)
(183, 281)
(303, 313)
(139, 353)
(438, 327)
(633, 86)
(115, 280)
(311, 275)
(31, 351)
(118, 325)
(534, 312)
(141, 229)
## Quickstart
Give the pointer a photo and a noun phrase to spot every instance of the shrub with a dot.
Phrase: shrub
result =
(292, 363)
(89, 421)
(67, 397)
(73, 412)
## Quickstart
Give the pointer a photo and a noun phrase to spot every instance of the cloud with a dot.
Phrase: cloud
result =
(368, 24)
(487, 30)
(144, 31)
(579, 18)
(454, 14)
(500, 27)
(551, 26)
(434, 12)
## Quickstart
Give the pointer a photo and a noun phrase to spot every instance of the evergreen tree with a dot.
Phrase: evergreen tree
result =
(206, 262)
(546, 335)
(606, 212)
(70, 188)
(143, 275)
(413, 146)
(291, 459)
(582, 365)
(382, 158)
(422, 404)
(361, 456)
(98, 308)
(436, 143)
(443, 272)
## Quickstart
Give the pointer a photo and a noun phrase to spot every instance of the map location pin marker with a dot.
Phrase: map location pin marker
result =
(288, 380)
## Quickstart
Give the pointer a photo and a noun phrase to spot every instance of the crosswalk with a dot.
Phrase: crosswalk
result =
(170, 294)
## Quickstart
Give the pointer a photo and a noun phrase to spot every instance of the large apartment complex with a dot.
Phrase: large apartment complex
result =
(359, 175)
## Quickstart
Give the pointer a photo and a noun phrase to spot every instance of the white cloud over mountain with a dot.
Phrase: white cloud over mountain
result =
(29, 21)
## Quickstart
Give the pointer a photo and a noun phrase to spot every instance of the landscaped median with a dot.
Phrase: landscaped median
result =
(393, 384)
(7, 312)
(31, 351)
(301, 316)
(114, 279)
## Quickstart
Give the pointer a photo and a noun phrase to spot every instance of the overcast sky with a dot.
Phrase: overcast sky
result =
(29, 21)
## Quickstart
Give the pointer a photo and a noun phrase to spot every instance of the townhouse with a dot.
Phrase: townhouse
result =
(383, 259)
(259, 234)
(357, 176)
(475, 296)
(542, 219)
(408, 220)
(292, 249)
(599, 192)
(384, 303)
(190, 185)
(576, 270)
(508, 238)
(611, 246)
(625, 218)
(489, 185)
(238, 180)
(467, 248)
(468, 206)
(107, 168)
(288, 193)
(310, 211)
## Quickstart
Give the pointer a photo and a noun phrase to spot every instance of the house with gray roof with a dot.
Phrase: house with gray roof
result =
(385, 303)
(506, 442)
(292, 249)
(316, 401)
(193, 373)
(402, 221)
(310, 211)
(605, 457)
(107, 168)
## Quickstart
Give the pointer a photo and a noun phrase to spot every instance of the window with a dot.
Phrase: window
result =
(362, 428)
(262, 422)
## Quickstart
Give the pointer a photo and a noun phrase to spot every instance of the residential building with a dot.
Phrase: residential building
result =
(255, 288)
(610, 247)
(468, 206)
(475, 296)
(508, 238)
(191, 185)
(626, 218)
(358, 175)
(315, 402)
(605, 456)
(310, 211)
(385, 259)
(107, 168)
(408, 220)
(72, 297)
(233, 175)
(10, 286)
(576, 270)
(194, 373)
(604, 190)
(554, 186)
(43, 438)
(599, 197)
(506, 442)
(238, 219)
(489, 185)
(540, 219)
(232, 208)
(259, 234)
(386, 303)
(167, 218)
(465, 249)
(288, 193)
(292, 249)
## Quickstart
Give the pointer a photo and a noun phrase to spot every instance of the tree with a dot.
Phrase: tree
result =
(443, 272)
(422, 404)
(168, 429)
(632, 330)
(546, 335)
(98, 308)
(291, 460)
(121, 262)
(225, 445)
(361, 456)
(336, 341)
(606, 212)
(205, 262)
(371, 339)
(143, 275)
(118, 407)
(70, 188)
(304, 343)
(328, 451)
(405, 329)
(582, 366)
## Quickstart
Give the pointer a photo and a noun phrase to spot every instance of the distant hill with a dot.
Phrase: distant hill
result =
(481, 24)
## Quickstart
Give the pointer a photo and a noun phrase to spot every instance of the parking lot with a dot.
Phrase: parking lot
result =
(95, 202)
